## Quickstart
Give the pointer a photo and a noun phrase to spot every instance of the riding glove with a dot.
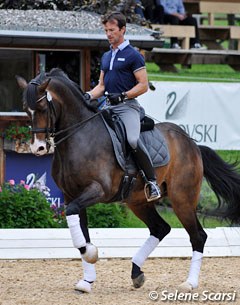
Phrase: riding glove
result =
(116, 98)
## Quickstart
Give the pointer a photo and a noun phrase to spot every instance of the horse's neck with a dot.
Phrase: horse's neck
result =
(70, 107)
(73, 113)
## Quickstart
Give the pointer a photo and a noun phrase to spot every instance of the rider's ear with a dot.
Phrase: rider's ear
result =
(43, 86)
(21, 82)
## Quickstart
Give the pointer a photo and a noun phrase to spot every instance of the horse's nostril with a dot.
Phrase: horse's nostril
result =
(41, 148)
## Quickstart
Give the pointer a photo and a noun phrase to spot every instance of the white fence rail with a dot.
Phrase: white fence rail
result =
(111, 243)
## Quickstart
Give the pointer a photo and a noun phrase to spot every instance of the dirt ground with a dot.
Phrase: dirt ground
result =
(51, 282)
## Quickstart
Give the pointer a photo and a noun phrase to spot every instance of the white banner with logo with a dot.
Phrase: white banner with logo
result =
(208, 112)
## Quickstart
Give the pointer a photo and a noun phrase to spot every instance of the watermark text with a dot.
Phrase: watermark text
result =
(204, 296)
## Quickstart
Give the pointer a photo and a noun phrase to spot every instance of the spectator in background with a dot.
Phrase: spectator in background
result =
(139, 8)
(173, 12)
(149, 6)
(148, 10)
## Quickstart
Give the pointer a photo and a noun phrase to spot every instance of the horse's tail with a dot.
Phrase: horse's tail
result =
(224, 179)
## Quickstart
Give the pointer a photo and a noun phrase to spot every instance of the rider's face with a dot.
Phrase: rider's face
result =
(115, 35)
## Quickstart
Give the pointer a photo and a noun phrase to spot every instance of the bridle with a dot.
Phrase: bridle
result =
(50, 130)
(51, 115)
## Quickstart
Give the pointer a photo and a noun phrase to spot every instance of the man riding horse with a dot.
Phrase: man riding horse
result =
(123, 75)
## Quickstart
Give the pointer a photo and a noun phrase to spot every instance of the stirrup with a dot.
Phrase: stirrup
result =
(148, 196)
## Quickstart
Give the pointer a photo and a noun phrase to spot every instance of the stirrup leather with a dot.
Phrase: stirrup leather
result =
(147, 191)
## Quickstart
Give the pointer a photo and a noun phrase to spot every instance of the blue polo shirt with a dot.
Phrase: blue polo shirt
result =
(119, 67)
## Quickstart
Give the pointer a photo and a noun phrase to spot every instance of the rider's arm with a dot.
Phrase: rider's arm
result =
(141, 86)
(98, 91)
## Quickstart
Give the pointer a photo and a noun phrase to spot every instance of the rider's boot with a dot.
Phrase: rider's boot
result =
(152, 190)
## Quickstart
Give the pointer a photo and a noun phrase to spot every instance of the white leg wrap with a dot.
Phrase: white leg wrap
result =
(195, 267)
(143, 253)
(83, 286)
(78, 238)
(89, 272)
(89, 275)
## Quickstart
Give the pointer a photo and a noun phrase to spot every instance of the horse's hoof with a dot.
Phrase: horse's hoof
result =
(83, 286)
(185, 287)
(139, 281)
(91, 254)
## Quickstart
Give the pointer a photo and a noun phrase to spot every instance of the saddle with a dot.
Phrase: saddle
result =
(151, 137)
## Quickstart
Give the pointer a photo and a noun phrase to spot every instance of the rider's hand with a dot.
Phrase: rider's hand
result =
(116, 98)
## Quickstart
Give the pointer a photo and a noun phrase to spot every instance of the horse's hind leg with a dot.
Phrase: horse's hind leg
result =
(158, 230)
(198, 237)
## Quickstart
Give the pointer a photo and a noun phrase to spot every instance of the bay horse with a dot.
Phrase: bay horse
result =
(84, 167)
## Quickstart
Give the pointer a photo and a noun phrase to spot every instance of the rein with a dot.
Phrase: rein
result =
(50, 131)
(74, 127)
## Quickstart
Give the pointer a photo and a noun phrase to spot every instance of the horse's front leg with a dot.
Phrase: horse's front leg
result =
(89, 272)
(91, 195)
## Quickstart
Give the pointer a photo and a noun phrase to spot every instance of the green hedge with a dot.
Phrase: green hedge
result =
(21, 207)
(24, 208)
(107, 215)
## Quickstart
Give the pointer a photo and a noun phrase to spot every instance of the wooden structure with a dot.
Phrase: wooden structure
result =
(218, 7)
(112, 243)
(235, 34)
(166, 58)
(213, 36)
(183, 33)
(191, 6)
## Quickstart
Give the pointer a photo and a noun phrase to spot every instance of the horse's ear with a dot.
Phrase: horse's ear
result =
(21, 82)
(43, 86)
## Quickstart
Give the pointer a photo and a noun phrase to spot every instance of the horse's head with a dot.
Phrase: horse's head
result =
(37, 102)
(53, 101)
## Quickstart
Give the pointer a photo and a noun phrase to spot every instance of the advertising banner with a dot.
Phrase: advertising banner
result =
(30, 168)
(208, 112)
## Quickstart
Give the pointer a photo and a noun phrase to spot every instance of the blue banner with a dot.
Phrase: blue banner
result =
(31, 169)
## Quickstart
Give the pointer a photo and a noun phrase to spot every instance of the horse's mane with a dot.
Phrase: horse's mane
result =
(61, 75)
(56, 73)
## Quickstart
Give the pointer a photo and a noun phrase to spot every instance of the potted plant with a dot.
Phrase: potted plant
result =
(17, 138)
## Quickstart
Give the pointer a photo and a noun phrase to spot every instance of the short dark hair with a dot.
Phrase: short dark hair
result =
(118, 16)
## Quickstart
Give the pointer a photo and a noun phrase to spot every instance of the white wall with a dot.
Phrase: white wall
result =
(112, 243)
(208, 112)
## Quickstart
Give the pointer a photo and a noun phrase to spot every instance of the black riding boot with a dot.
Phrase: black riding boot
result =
(142, 160)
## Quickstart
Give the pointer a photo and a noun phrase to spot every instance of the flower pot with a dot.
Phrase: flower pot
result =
(17, 146)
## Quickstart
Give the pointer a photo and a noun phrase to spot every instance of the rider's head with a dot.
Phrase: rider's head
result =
(115, 17)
